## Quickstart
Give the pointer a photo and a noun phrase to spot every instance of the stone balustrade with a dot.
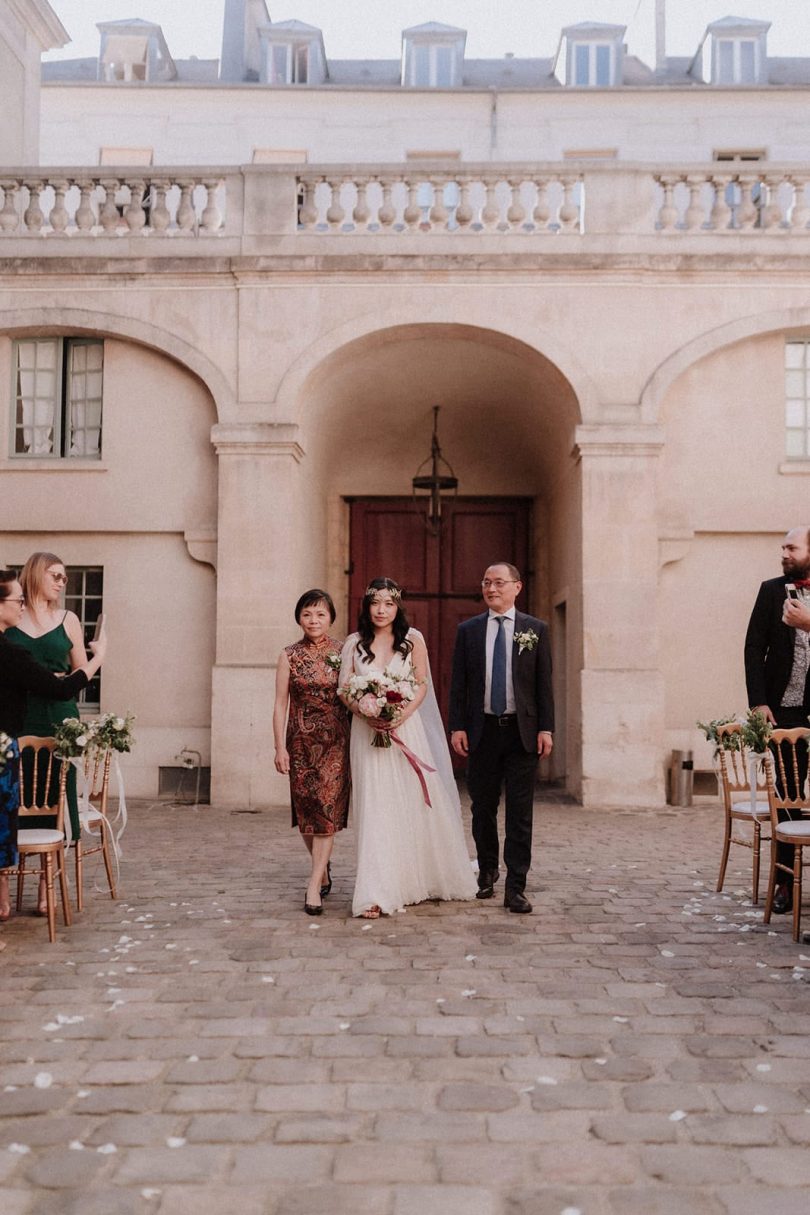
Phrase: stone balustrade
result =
(110, 203)
(507, 199)
(734, 198)
(292, 209)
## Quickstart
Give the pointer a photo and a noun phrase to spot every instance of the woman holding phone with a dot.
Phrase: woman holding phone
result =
(54, 637)
(22, 677)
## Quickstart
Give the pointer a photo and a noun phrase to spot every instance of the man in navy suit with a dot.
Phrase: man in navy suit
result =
(501, 720)
(777, 666)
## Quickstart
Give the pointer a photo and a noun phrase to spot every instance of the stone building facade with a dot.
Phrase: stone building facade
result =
(231, 295)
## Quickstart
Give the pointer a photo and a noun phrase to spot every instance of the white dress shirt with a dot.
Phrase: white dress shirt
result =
(492, 632)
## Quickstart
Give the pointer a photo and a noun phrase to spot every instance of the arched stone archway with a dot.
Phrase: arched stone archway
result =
(374, 328)
(355, 422)
(755, 325)
(43, 322)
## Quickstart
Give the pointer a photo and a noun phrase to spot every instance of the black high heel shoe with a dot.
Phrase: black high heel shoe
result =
(313, 909)
(327, 886)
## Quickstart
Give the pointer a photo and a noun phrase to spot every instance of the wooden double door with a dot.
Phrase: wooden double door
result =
(440, 574)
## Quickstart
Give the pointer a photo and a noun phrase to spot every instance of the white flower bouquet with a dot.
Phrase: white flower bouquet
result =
(382, 696)
(95, 735)
(6, 749)
(73, 737)
(113, 733)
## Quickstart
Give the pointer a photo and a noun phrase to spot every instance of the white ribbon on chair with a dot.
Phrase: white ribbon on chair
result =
(121, 816)
(88, 813)
(754, 760)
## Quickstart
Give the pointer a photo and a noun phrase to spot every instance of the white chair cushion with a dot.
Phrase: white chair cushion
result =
(799, 830)
(35, 836)
(90, 815)
(742, 806)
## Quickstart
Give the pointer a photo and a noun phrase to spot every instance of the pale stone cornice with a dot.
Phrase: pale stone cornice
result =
(42, 21)
(617, 440)
(257, 438)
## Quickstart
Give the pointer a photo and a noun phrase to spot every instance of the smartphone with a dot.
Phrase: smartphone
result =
(791, 591)
(102, 620)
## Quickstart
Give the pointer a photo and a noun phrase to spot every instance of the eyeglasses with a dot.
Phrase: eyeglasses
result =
(60, 578)
(21, 601)
(496, 584)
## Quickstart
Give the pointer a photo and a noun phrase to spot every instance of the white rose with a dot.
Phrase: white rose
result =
(119, 723)
(81, 740)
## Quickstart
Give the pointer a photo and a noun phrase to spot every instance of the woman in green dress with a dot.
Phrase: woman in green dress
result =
(54, 637)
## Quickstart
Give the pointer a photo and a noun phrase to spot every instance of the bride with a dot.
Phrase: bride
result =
(410, 841)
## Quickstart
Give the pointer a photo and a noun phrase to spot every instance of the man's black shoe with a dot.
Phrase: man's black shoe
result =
(486, 883)
(782, 900)
(517, 902)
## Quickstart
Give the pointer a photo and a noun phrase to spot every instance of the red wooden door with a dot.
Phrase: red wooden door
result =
(441, 575)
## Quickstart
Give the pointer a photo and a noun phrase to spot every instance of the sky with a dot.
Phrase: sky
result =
(371, 29)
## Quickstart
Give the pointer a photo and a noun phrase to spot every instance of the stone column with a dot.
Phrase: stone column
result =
(621, 686)
(257, 580)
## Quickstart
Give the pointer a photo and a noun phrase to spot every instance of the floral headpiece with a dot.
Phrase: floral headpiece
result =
(394, 592)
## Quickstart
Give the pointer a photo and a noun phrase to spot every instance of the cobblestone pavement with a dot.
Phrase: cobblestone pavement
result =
(638, 1046)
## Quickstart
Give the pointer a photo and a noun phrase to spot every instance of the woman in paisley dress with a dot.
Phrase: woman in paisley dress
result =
(405, 805)
(314, 750)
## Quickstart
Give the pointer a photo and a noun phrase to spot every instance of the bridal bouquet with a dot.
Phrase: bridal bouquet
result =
(380, 695)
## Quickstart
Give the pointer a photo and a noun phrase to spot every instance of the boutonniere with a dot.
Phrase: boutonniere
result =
(333, 661)
(526, 641)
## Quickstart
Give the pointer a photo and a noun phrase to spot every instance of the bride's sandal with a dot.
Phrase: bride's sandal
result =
(371, 913)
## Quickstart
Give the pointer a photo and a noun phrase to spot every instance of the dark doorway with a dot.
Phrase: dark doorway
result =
(441, 575)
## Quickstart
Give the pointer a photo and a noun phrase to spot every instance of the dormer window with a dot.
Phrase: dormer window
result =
(293, 54)
(134, 50)
(433, 56)
(288, 63)
(593, 64)
(736, 61)
(594, 55)
(738, 50)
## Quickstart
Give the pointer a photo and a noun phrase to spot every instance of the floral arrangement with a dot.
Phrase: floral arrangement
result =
(113, 733)
(72, 737)
(6, 749)
(381, 695)
(95, 735)
(724, 742)
(526, 641)
(333, 661)
(755, 733)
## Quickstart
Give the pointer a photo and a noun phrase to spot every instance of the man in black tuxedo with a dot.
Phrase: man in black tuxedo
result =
(501, 719)
(777, 662)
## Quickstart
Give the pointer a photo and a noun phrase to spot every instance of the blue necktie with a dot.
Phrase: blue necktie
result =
(497, 695)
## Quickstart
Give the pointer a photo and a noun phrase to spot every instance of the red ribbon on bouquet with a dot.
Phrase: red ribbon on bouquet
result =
(419, 766)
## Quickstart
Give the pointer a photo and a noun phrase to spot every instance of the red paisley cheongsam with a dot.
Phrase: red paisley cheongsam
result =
(317, 740)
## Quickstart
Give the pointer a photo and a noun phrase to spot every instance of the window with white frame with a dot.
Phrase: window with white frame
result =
(85, 596)
(736, 61)
(288, 62)
(797, 400)
(593, 64)
(57, 398)
(432, 65)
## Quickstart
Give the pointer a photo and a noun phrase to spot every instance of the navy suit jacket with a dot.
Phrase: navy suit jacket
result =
(531, 680)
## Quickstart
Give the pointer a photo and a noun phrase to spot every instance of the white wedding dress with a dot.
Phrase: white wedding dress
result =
(407, 851)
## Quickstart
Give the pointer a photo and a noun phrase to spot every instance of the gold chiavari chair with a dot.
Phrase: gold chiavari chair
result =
(788, 826)
(94, 824)
(42, 794)
(739, 805)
